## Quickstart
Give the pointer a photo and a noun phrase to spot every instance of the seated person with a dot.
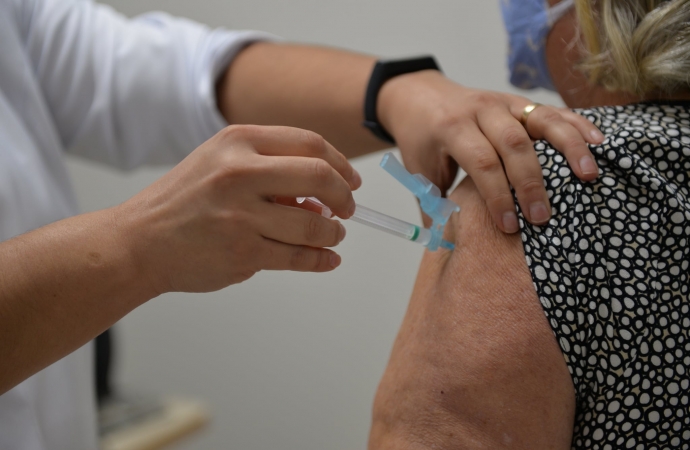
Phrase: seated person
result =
(573, 334)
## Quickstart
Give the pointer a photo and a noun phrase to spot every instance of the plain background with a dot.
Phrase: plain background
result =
(285, 360)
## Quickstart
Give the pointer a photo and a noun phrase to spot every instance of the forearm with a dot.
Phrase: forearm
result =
(214, 220)
(60, 286)
(315, 88)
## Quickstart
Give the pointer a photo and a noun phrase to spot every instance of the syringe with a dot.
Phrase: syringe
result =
(383, 222)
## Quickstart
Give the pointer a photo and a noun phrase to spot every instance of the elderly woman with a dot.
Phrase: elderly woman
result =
(573, 334)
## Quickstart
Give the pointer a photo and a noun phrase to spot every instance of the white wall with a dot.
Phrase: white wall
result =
(291, 361)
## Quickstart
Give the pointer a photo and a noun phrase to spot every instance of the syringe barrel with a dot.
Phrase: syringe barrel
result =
(380, 221)
(385, 223)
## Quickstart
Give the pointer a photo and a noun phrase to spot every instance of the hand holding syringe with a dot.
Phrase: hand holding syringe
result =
(438, 208)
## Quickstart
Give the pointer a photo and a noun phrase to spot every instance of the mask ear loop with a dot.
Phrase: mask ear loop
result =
(558, 10)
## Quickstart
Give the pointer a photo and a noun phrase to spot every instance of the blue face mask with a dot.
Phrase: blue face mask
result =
(528, 23)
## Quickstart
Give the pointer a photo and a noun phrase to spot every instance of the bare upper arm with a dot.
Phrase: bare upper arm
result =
(475, 364)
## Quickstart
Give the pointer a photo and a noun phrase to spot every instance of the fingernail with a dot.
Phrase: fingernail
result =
(343, 232)
(588, 166)
(356, 179)
(351, 211)
(335, 260)
(510, 222)
(597, 136)
(538, 212)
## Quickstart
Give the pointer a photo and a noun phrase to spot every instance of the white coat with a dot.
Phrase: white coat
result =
(78, 77)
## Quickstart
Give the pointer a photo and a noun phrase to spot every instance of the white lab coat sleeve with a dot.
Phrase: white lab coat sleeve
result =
(128, 91)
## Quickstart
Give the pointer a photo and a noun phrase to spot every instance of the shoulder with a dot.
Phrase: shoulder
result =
(611, 240)
(475, 358)
(644, 163)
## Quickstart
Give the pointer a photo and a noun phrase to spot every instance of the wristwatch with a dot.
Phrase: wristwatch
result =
(384, 71)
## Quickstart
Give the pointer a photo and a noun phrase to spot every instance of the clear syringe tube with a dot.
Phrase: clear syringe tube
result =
(391, 225)
(383, 222)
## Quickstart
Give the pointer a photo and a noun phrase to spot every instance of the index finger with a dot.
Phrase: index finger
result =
(288, 141)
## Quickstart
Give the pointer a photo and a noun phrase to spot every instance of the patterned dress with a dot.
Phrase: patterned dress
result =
(611, 272)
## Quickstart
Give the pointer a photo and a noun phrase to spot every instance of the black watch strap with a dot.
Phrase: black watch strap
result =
(384, 71)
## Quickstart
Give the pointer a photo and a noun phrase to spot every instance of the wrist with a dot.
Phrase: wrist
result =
(398, 98)
(127, 223)
(383, 72)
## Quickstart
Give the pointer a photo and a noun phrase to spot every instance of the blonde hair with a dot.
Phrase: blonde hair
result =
(636, 46)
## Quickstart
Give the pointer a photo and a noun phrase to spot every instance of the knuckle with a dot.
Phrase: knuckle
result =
(298, 258)
(231, 218)
(233, 171)
(531, 185)
(313, 229)
(486, 162)
(483, 98)
(227, 133)
(315, 143)
(334, 235)
(342, 162)
(498, 200)
(444, 120)
(515, 137)
(322, 171)
(235, 132)
(317, 263)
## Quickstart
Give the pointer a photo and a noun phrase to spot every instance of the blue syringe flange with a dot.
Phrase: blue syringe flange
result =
(429, 195)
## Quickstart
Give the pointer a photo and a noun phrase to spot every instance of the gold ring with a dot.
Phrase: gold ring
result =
(526, 112)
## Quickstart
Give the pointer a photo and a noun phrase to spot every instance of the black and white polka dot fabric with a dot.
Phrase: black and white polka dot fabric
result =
(611, 272)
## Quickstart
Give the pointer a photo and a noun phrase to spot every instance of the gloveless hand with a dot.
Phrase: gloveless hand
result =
(439, 125)
(218, 217)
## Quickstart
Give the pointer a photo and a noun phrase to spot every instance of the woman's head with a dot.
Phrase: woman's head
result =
(616, 51)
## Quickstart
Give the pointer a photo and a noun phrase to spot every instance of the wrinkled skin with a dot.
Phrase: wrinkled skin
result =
(475, 364)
